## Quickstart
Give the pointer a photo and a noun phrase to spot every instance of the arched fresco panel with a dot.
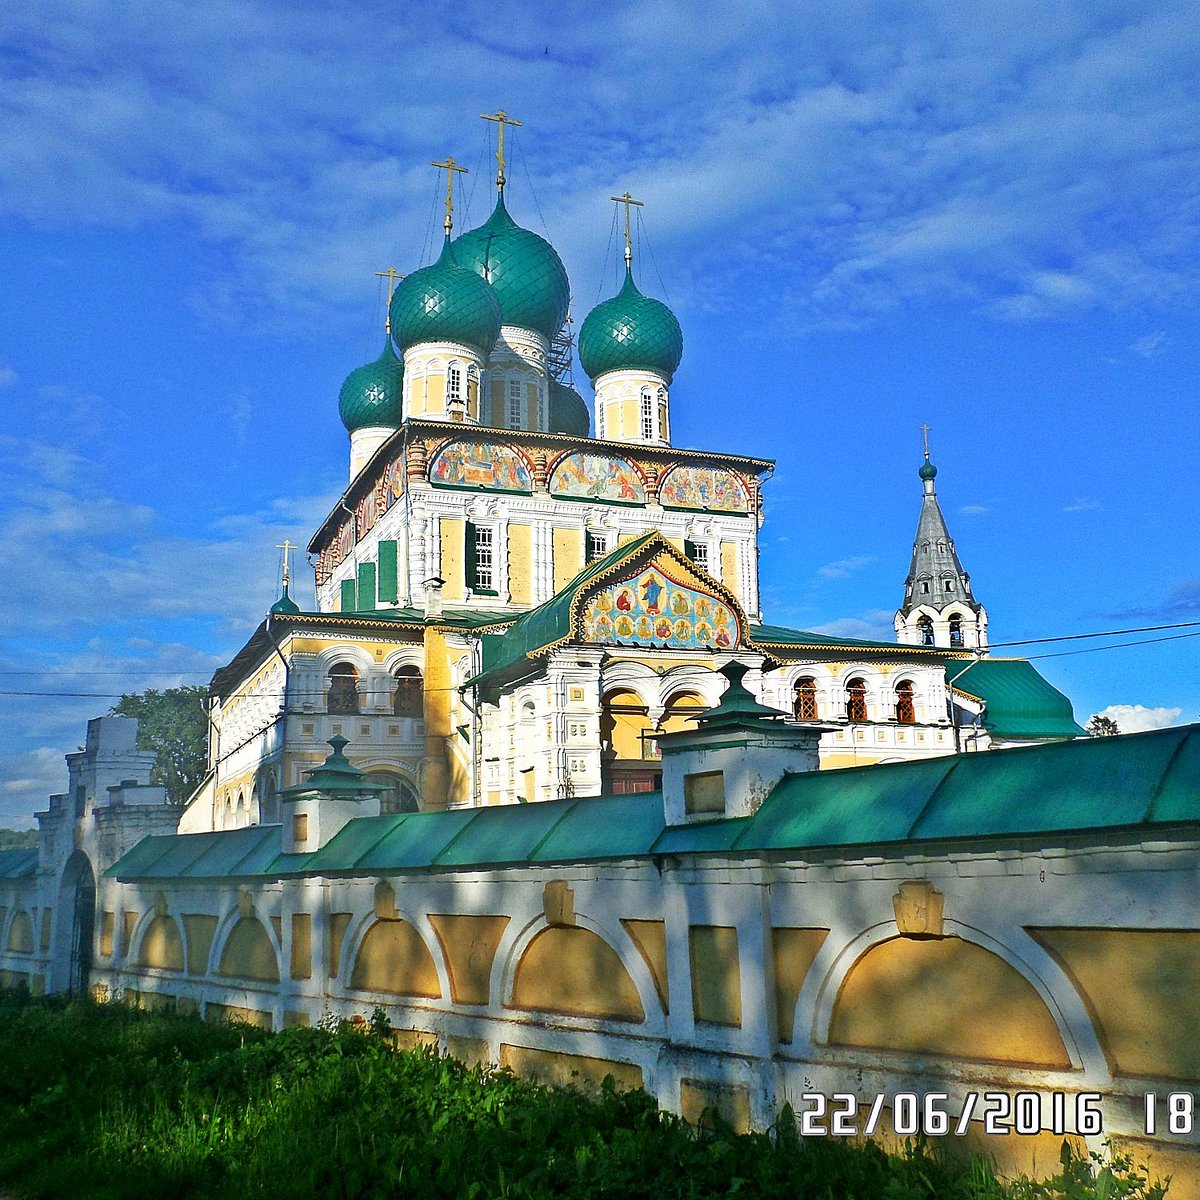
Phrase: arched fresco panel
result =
(393, 958)
(710, 489)
(568, 969)
(945, 996)
(597, 477)
(652, 609)
(480, 465)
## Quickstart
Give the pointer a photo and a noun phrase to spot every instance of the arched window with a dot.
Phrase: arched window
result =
(681, 711)
(856, 700)
(647, 415)
(905, 712)
(398, 796)
(805, 706)
(407, 698)
(925, 629)
(956, 630)
(268, 800)
(454, 395)
(343, 689)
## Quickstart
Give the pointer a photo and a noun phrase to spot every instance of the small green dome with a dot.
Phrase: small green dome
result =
(630, 331)
(525, 271)
(374, 394)
(568, 411)
(927, 470)
(285, 606)
(445, 303)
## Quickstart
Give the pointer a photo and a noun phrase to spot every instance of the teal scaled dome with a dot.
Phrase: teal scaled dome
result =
(374, 394)
(568, 411)
(630, 331)
(445, 302)
(524, 270)
(285, 606)
(927, 470)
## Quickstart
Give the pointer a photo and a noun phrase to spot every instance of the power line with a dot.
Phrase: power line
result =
(1074, 637)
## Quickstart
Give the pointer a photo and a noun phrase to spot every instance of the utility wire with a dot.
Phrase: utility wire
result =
(1074, 637)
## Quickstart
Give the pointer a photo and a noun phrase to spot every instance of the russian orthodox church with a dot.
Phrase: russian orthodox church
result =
(512, 607)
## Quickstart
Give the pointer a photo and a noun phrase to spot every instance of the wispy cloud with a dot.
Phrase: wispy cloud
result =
(873, 626)
(845, 567)
(1150, 346)
(1082, 505)
(973, 510)
(8, 377)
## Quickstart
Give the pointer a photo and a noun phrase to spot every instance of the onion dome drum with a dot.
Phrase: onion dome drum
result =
(524, 270)
(445, 302)
(628, 332)
(374, 394)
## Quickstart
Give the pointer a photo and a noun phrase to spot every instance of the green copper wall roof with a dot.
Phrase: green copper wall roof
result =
(18, 864)
(445, 302)
(525, 271)
(1094, 784)
(374, 394)
(568, 411)
(630, 331)
(1019, 702)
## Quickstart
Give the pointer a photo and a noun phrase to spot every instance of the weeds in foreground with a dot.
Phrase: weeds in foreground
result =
(108, 1101)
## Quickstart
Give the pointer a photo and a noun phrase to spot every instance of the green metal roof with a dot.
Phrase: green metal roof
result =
(445, 302)
(18, 864)
(525, 272)
(374, 394)
(1020, 703)
(779, 635)
(628, 331)
(1133, 781)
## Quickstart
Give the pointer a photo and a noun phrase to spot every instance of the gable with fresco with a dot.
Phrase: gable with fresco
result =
(483, 465)
(583, 476)
(653, 609)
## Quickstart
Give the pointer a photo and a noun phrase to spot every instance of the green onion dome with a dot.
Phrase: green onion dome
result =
(525, 271)
(374, 394)
(445, 302)
(630, 331)
(927, 470)
(568, 411)
(285, 606)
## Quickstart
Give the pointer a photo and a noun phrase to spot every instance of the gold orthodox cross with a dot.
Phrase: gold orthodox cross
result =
(287, 547)
(629, 203)
(450, 166)
(391, 275)
(501, 118)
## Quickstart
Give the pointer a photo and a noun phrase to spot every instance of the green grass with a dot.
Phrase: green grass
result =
(108, 1101)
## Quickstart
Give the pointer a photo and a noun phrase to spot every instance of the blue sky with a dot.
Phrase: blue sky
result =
(866, 216)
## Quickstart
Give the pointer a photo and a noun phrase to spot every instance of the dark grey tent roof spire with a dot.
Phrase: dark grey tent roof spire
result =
(935, 575)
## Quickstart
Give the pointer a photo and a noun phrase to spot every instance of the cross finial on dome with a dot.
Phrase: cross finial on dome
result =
(450, 166)
(925, 440)
(391, 275)
(501, 118)
(629, 202)
(287, 547)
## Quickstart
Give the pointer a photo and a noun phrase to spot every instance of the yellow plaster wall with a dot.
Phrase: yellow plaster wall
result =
(216, 1013)
(20, 934)
(650, 937)
(162, 945)
(108, 922)
(716, 979)
(568, 969)
(568, 556)
(794, 951)
(301, 964)
(199, 930)
(393, 958)
(435, 776)
(569, 1070)
(453, 534)
(701, 1099)
(249, 954)
(468, 1050)
(339, 923)
(945, 996)
(469, 946)
(520, 563)
(129, 920)
(1142, 990)
(1181, 1162)
(729, 567)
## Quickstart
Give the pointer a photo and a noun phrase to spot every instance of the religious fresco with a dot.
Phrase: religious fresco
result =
(597, 477)
(708, 488)
(651, 609)
(393, 482)
(480, 465)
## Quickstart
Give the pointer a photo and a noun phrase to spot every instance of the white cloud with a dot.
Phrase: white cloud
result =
(1082, 505)
(843, 568)
(8, 377)
(1137, 718)
(1152, 345)
(972, 510)
(873, 626)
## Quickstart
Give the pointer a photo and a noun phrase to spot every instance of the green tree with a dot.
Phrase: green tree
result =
(18, 839)
(1102, 726)
(174, 724)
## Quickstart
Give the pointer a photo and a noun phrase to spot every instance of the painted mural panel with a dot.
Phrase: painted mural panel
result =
(653, 610)
(597, 477)
(710, 488)
(480, 465)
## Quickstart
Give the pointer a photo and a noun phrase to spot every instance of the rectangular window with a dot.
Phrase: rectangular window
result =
(596, 546)
(480, 558)
(697, 552)
(647, 418)
(454, 387)
(514, 404)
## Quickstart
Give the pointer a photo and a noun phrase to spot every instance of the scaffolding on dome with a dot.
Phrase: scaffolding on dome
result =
(560, 361)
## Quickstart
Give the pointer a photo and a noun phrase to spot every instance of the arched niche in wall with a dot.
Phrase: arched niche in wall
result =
(162, 945)
(20, 934)
(569, 969)
(249, 952)
(393, 958)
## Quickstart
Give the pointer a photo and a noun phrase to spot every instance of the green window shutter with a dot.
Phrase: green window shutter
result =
(348, 596)
(366, 586)
(389, 577)
(689, 549)
(469, 557)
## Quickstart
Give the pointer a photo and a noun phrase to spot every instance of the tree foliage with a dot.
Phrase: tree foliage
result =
(18, 839)
(174, 724)
(1102, 726)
